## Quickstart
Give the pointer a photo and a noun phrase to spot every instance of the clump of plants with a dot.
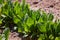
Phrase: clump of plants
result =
(37, 25)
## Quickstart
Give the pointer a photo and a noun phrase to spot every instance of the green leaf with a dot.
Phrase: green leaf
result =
(48, 28)
(0, 37)
(26, 28)
(57, 38)
(16, 20)
(5, 12)
(44, 16)
(40, 20)
(58, 27)
(20, 27)
(6, 32)
(51, 37)
(42, 27)
(30, 21)
(50, 17)
(34, 16)
(1, 1)
(0, 21)
(42, 37)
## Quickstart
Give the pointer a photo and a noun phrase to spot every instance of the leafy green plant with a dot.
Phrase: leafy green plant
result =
(6, 32)
(36, 24)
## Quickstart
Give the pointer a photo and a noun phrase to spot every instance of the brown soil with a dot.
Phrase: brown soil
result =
(14, 36)
(49, 6)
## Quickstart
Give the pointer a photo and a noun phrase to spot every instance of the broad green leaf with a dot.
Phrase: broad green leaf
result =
(6, 32)
(40, 20)
(20, 27)
(0, 21)
(44, 16)
(0, 37)
(48, 28)
(30, 21)
(34, 15)
(16, 20)
(55, 26)
(42, 37)
(23, 5)
(57, 38)
(42, 27)
(38, 15)
(0, 12)
(58, 27)
(26, 28)
(1, 1)
(5, 12)
(50, 17)
(51, 37)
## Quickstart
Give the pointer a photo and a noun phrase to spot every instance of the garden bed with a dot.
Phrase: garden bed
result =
(19, 22)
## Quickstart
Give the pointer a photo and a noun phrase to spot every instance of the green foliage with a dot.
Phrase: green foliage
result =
(6, 32)
(0, 37)
(32, 23)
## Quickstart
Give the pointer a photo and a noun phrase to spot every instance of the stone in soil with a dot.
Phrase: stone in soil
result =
(14, 36)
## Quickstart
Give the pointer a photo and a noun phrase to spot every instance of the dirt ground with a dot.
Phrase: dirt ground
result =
(14, 36)
(49, 6)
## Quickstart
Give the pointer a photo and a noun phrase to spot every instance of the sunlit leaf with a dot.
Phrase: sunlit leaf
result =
(30, 21)
(57, 38)
(42, 27)
(6, 32)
